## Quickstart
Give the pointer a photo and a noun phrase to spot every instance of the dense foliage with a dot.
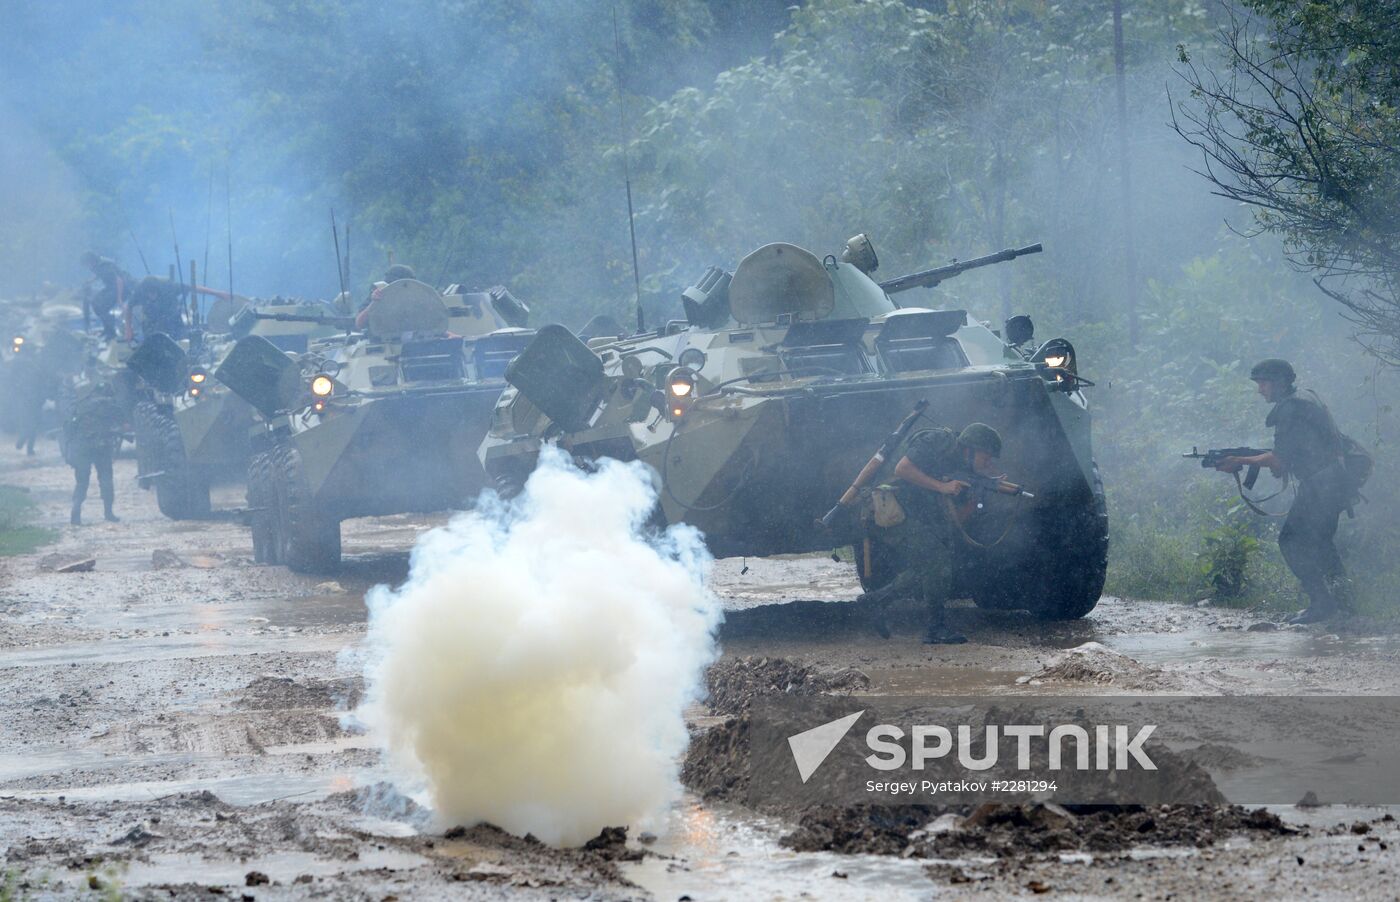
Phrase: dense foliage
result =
(1299, 121)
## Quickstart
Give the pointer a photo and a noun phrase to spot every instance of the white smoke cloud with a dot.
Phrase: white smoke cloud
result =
(533, 670)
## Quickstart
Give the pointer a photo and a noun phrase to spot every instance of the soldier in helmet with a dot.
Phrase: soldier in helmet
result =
(391, 275)
(158, 306)
(116, 285)
(91, 436)
(926, 485)
(1307, 447)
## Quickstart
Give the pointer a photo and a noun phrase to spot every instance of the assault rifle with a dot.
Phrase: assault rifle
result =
(1213, 457)
(987, 485)
(928, 278)
(873, 465)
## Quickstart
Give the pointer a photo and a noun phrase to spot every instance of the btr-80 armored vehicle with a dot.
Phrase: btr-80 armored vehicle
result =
(383, 421)
(189, 429)
(760, 409)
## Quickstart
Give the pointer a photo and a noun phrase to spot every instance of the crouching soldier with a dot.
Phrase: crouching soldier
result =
(921, 536)
(91, 436)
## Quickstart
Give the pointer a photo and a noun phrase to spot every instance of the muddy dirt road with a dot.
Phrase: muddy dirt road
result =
(175, 725)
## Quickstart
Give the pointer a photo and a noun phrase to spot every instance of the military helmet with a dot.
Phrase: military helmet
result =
(1273, 368)
(399, 271)
(981, 437)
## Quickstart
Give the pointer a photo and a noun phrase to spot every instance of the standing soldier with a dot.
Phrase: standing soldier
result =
(157, 306)
(116, 286)
(923, 542)
(1307, 447)
(30, 389)
(91, 435)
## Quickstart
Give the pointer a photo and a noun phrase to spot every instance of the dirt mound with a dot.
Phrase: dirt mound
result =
(272, 693)
(716, 765)
(1011, 831)
(732, 686)
(1098, 664)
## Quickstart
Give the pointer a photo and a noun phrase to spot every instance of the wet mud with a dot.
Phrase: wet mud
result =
(177, 725)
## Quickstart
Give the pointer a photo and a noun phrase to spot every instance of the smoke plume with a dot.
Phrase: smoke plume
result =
(533, 670)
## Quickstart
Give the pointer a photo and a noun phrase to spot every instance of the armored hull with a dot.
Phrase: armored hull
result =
(408, 452)
(386, 421)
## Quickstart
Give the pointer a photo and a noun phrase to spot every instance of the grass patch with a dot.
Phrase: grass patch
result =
(18, 535)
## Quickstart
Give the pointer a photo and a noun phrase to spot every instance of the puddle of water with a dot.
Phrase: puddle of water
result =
(1198, 644)
(715, 854)
(282, 867)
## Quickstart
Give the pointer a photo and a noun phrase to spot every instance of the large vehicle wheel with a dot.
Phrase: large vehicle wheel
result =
(1060, 573)
(143, 418)
(308, 540)
(262, 504)
(181, 492)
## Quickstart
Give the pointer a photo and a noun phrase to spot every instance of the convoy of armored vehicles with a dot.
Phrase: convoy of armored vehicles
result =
(755, 412)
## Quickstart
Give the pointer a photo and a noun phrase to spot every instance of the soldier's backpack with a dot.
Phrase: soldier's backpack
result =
(1358, 463)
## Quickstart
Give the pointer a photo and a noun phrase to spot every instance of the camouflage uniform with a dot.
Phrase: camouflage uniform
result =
(116, 286)
(92, 434)
(923, 544)
(1306, 441)
(31, 389)
(159, 300)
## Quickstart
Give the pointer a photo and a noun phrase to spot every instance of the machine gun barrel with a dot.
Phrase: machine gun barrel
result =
(931, 277)
(340, 322)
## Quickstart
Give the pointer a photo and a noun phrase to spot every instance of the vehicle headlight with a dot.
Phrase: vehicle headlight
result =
(17, 342)
(1057, 354)
(198, 377)
(322, 385)
(680, 384)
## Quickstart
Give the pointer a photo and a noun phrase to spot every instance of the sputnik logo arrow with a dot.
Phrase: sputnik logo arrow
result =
(810, 747)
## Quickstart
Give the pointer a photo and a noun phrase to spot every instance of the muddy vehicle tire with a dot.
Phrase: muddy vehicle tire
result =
(1061, 575)
(181, 492)
(308, 541)
(262, 504)
(508, 479)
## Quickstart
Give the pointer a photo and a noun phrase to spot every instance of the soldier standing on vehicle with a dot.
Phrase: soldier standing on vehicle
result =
(91, 436)
(391, 275)
(1307, 447)
(159, 302)
(923, 542)
(116, 285)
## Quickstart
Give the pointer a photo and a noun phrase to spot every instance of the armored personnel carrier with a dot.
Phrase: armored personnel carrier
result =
(382, 421)
(189, 429)
(759, 409)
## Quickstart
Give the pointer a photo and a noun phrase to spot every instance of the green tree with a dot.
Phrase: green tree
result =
(1300, 122)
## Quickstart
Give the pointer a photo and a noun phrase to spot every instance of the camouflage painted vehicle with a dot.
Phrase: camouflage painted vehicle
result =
(383, 421)
(191, 431)
(758, 411)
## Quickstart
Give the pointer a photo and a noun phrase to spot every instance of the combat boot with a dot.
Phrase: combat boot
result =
(76, 517)
(109, 516)
(938, 632)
